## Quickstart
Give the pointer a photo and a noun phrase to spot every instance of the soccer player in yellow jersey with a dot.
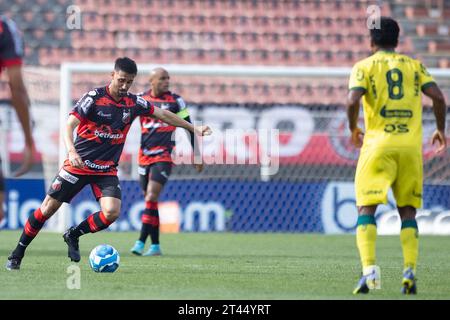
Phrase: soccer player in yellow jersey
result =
(391, 146)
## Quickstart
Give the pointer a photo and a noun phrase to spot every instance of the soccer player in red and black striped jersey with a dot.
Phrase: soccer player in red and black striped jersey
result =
(155, 161)
(11, 54)
(103, 117)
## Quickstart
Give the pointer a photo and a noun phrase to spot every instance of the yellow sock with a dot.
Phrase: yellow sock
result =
(409, 237)
(366, 236)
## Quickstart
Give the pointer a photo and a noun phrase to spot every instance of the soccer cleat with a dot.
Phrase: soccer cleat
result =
(371, 279)
(138, 248)
(409, 282)
(13, 263)
(154, 250)
(361, 287)
(72, 243)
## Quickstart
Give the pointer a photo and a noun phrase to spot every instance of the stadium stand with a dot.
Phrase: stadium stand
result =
(267, 32)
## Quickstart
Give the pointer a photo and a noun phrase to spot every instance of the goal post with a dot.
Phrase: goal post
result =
(68, 69)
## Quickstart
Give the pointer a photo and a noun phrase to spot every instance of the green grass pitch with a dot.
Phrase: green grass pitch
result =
(222, 266)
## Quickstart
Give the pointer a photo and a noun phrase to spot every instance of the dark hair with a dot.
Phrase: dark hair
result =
(125, 64)
(386, 35)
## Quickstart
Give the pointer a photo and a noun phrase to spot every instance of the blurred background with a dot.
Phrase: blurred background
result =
(312, 189)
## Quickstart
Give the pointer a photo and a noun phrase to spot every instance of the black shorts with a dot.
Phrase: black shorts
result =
(66, 185)
(158, 171)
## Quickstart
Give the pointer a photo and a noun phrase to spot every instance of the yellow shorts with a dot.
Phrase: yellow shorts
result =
(379, 169)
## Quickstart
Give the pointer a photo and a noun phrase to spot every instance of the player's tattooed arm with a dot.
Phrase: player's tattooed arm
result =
(74, 158)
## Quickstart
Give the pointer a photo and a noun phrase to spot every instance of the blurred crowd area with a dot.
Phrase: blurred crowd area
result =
(226, 32)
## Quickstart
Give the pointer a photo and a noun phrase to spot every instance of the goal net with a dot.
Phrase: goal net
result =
(43, 86)
(277, 131)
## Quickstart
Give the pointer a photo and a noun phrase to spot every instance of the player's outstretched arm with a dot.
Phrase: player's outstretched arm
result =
(176, 121)
(74, 158)
(439, 108)
(21, 103)
(195, 147)
(353, 98)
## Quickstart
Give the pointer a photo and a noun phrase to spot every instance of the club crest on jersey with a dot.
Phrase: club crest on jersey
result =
(126, 116)
(56, 185)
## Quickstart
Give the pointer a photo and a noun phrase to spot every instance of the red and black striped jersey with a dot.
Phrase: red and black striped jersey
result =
(11, 44)
(103, 128)
(157, 137)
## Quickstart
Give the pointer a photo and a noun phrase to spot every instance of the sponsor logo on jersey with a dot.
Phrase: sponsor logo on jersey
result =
(68, 177)
(152, 152)
(95, 166)
(104, 115)
(154, 125)
(107, 135)
(372, 192)
(395, 113)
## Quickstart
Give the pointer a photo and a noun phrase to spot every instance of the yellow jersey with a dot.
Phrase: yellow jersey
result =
(392, 102)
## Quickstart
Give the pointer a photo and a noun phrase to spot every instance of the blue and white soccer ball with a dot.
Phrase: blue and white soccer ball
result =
(104, 258)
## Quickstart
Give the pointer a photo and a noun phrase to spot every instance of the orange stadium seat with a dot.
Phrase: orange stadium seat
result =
(426, 29)
(416, 12)
(444, 63)
(93, 21)
(87, 5)
(439, 46)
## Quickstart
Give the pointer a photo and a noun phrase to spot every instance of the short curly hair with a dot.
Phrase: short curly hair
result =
(387, 34)
(125, 64)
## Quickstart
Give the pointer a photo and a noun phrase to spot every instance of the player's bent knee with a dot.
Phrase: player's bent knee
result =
(50, 206)
(151, 197)
(111, 215)
(407, 212)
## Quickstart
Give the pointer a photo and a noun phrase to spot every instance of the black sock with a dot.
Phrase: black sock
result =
(94, 223)
(145, 231)
(150, 222)
(32, 227)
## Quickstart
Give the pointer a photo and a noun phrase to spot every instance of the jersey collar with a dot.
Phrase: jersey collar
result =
(150, 93)
(109, 94)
